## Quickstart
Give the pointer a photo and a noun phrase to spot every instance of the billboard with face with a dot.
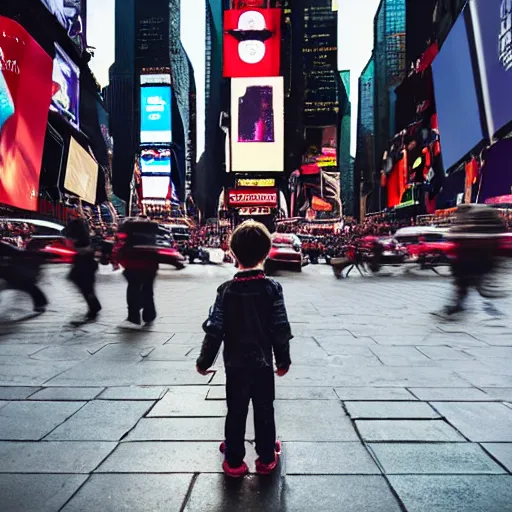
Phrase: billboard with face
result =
(257, 124)
(155, 115)
(70, 15)
(252, 42)
(155, 162)
(25, 92)
(492, 20)
(66, 87)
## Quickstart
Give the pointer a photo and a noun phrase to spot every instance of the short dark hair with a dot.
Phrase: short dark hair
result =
(250, 243)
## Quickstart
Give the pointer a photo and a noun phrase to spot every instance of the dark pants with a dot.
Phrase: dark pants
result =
(242, 385)
(139, 294)
(83, 274)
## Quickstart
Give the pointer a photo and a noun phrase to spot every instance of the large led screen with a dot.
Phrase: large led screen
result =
(25, 92)
(155, 115)
(460, 126)
(155, 161)
(252, 42)
(492, 20)
(155, 187)
(69, 14)
(81, 173)
(257, 124)
(66, 87)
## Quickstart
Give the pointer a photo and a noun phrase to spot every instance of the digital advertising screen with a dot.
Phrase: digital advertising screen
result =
(155, 187)
(66, 87)
(155, 161)
(25, 92)
(69, 14)
(257, 124)
(252, 42)
(155, 115)
(241, 197)
(492, 22)
(460, 127)
(81, 173)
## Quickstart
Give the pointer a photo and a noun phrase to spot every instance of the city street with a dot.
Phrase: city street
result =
(385, 408)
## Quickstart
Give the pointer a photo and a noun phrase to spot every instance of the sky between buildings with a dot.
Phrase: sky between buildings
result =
(355, 43)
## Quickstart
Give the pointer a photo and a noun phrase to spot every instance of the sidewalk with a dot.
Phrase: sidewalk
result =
(384, 409)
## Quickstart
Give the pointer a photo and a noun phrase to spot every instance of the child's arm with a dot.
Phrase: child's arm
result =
(281, 331)
(214, 329)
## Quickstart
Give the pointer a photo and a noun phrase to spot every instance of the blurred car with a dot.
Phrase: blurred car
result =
(286, 252)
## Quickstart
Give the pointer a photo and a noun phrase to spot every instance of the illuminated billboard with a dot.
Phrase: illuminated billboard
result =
(69, 14)
(66, 87)
(155, 187)
(155, 79)
(242, 197)
(257, 124)
(25, 92)
(155, 161)
(155, 115)
(492, 20)
(81, 173)
(252, 42)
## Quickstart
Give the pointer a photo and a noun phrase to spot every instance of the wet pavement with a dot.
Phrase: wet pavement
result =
(384, 409)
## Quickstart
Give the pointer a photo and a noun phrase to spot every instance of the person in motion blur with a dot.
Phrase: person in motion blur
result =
(83, 271)
(249, 316)
(476, 231)
(141, 267)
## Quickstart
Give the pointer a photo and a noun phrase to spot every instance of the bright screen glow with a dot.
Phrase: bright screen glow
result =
(155, 162)
(155, 187)
(66, 87)
(257, 124)
(492, 20)
(155, 115)
(456, 99)
(81, 173)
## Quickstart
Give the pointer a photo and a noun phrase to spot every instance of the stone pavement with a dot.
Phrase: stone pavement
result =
(384, 409)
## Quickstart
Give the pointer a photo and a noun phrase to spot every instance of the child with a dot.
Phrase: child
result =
(249, 316)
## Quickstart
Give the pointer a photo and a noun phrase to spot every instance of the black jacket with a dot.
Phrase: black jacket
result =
(249, 316)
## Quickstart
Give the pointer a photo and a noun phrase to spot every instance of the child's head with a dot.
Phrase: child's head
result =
(250, 243)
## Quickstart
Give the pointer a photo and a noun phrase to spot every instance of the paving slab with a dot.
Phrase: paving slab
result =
(447, 493)
(101, 420)
(27, 372)
(390, 410)
(133, 393)
(407, 430)
(31, 421)
(16, 393)
(284, 393)
(168, 457)
(451, 394)
(486, 379)
(52, 457)
(328, 459)
(447, 353)
(434, 458)
(63, 353)
(188, 401)
(491, 352)
(479, 422)
(66, 394)
(319, 421)
(19, 350)
(501, 452)
(373, 394)
(297, 493)
(131, 493)
(41, 493)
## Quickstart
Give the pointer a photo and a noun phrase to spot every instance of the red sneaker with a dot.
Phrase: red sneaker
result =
(238, 472)
(266, 469)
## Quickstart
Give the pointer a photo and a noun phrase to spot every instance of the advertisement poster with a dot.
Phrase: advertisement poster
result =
(25, 92)
(70, 15)
(241, 197)
(66, 87)
(492, 20)
(257, 124)
(155, 161)
(155, 115)
(155, 187)
(81, 173)
(252, 42)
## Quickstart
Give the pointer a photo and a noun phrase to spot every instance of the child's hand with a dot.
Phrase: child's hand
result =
(281, 372)
(204, 372)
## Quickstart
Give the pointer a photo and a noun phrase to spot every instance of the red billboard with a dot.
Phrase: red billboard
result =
(252, 42)
(252, 196)
(25, 93)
